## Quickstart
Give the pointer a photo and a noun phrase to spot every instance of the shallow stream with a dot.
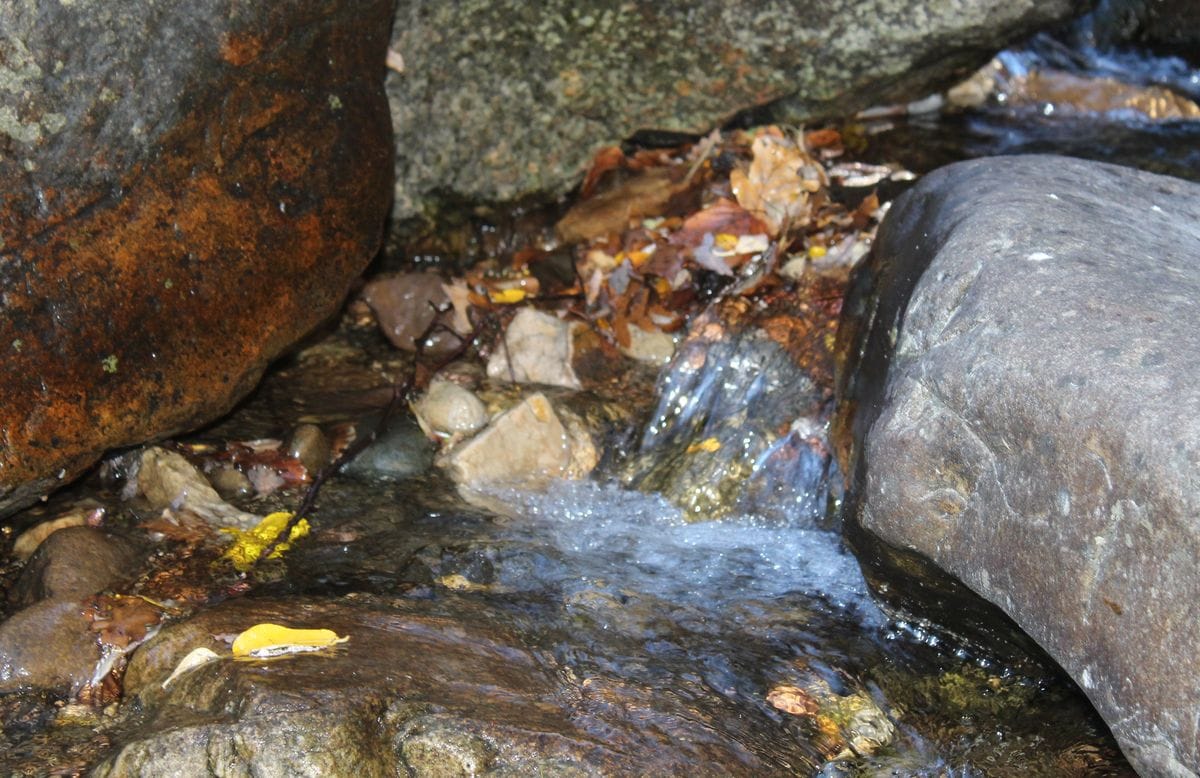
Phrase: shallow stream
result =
(754, 630)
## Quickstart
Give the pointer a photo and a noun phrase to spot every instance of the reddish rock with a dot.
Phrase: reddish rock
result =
(181, 198)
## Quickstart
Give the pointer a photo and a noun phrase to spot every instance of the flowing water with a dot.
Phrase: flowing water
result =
(755, 627)
(1085, 111)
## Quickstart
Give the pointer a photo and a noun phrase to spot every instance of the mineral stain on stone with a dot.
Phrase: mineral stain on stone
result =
(205, 217)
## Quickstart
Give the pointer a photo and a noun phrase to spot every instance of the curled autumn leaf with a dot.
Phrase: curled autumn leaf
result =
(779, 182)
(793, 700)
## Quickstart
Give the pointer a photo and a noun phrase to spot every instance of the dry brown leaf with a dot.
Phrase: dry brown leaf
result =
(818, 139)
(646, 194)
(793, 700)
(181, 525)
(777, 185)
(722, 217)
(606, 159)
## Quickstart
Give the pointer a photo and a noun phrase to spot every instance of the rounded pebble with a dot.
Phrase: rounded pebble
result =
(230, 483)
(309, 444)
(449, 409)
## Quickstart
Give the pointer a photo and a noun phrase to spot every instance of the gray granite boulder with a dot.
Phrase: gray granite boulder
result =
(499, 99)
(1028, 341)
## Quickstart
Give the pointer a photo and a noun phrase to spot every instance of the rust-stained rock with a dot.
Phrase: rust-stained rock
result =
(184, 191)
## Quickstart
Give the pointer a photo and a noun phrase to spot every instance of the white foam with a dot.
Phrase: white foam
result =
(641, 542)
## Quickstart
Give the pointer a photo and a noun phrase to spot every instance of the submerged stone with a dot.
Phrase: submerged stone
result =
(528, 445)
(401, 450)
(537, 348)
(75, 562)
(47, 646)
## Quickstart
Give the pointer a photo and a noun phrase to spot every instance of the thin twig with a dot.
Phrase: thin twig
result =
(401, 390)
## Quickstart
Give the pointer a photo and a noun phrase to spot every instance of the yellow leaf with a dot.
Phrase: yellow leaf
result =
(638, 258)
(708, 445)
(725, 241)
(816, 252)
(507, 296)
(248, 545)
(265, 640)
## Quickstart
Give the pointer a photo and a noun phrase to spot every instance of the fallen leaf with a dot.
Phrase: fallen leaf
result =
(267, 640)
(460, 301)
(181, 525)
(817, 139)
(647, 194)
(121, 621)
(777, 185)
(722, 217)
(248, 545)
(606, 159)
(793, 700)
(195, 658)
(507, 296)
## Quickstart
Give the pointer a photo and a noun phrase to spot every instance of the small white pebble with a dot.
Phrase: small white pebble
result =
(1038, 256)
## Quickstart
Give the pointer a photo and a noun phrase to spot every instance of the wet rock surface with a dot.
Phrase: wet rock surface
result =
(47, 646)
(585, 630)
(500, 100)
(75, 562)
(187, 190)
(1035, 433)
(417, 686)
(47, 643)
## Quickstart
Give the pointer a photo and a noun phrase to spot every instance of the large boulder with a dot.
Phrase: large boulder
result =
(1036, 432)
(500, 99)
(185, 189)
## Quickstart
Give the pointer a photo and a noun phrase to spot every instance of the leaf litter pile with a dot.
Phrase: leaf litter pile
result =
(656, 237)
(657, 234)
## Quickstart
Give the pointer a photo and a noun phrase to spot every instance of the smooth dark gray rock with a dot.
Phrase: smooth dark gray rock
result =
(500, 99)
(1037, 434)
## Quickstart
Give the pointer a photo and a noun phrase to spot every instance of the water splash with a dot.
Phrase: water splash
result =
(643, 542)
